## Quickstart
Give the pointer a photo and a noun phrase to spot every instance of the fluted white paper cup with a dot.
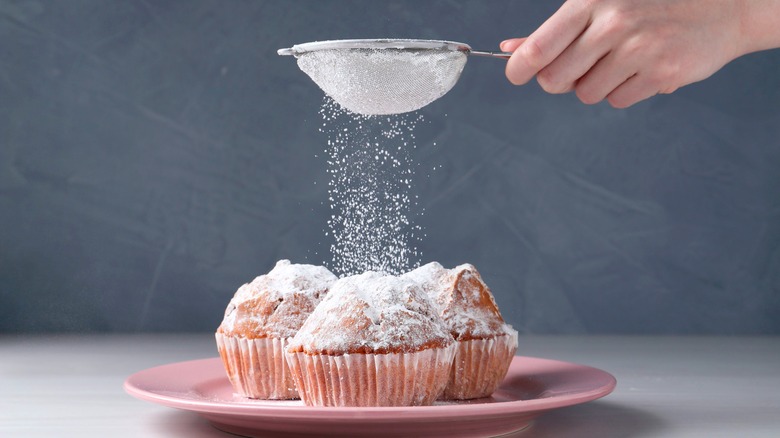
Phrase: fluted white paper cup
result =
(256, 367)
(479, 366)
(392, 379)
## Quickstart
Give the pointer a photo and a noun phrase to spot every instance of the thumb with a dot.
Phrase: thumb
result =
(511, 44)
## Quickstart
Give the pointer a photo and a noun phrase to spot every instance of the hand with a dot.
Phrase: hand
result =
(628, 50)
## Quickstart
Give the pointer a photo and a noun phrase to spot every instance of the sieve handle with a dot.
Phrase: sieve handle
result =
(502, 55)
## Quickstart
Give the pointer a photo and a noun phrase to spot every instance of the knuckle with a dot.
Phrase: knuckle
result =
(614, 24)
(665, 77)
(587, 96)
(514, 80)
(549, 82)
(514, 76)
(590, 5)
(635, 47)
(619, 102)
(620, 20)
(532, 54)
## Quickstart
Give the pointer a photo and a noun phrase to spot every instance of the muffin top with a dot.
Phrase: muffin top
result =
(276, 304)
(464, 301)
(372, 313)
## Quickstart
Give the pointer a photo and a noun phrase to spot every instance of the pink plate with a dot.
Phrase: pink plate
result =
(532, 386)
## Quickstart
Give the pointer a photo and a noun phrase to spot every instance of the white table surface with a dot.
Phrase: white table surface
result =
(71, 386)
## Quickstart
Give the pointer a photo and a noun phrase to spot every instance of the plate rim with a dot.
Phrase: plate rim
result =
(206, 407)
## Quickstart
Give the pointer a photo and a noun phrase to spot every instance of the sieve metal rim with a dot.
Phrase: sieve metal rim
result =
(383, 43)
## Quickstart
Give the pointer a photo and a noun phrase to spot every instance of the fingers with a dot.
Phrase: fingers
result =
(561, 75)
(635, 89)
(606, 75)
(511, 45)
(547, 42)
(623, 50)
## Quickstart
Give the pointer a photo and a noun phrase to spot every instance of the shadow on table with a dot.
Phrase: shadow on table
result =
(595, 419)
(186, 424)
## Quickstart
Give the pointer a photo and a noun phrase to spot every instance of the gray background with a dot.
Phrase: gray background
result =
(156, 155)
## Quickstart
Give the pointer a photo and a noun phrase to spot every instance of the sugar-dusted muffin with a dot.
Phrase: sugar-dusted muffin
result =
(260, 319)
(375, 340)
(485, 343)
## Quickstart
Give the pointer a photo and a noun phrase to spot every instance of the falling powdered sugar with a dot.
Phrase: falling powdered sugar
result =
(373, 210)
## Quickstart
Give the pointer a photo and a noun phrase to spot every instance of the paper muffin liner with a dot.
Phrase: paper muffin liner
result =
(256, 367)
(479, 366)
(392, 379)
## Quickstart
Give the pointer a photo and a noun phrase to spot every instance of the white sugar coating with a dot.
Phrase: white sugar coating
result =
(431, 277)
(372, 313)
(380, 82)
(371, 175)
(287, 278)
(278, 287)
(464, 301)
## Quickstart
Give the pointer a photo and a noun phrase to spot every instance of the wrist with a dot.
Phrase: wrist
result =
(759, 25)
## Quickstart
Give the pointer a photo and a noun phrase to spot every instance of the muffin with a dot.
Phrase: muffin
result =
(375, 340)
(485, 343)
(260, 319)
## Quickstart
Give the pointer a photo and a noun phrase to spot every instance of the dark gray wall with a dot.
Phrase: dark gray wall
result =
(156, 155)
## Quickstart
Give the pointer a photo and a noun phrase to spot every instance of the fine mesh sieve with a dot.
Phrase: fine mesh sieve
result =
(384, 76)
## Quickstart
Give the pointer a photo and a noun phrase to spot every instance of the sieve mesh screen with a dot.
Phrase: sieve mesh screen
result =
(386, 81)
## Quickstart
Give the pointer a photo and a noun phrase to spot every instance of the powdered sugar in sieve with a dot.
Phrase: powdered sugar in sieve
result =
(375, 77)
